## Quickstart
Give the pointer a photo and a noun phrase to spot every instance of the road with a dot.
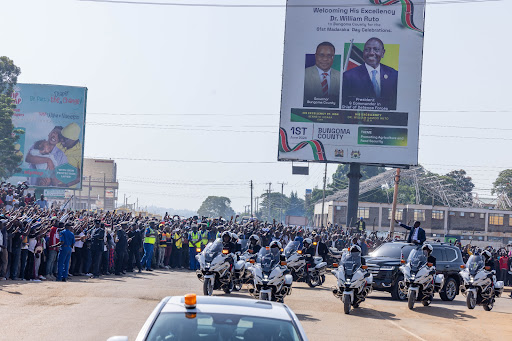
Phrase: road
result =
(94, 309)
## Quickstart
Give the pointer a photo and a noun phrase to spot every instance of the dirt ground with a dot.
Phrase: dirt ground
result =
(95, 309)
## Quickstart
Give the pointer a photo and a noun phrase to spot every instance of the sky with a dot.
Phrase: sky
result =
(170, 84)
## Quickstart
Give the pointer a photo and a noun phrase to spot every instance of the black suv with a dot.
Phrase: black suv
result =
(384, 265)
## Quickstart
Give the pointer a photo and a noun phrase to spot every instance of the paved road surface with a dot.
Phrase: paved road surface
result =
(94, 309)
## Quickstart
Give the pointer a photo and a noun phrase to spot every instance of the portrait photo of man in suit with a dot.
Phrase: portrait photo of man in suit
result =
(371, 85)
(321, 81)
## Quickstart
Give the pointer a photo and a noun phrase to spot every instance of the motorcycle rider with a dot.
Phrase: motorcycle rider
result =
(357, 249)
(427, 250)
(253, 244)
(487, 256)
(277, 245)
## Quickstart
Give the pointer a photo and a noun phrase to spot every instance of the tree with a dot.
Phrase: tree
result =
(10, 156)
(215, 207)
(503, 183)
(340, 180)
(277, 202)
(295, 205)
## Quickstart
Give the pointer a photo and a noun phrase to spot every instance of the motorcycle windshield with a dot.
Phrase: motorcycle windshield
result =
(212, 250)
(416, 259)
(268, 258)
(351, 261)
(474, 264)
(291, 248)
(244, 245)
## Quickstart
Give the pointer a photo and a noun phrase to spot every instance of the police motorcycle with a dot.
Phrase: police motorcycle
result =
(354, 281)
(301, 270)
(242, 274)
(215, 268)
(271, 278)
(479, 283)
(420, 279)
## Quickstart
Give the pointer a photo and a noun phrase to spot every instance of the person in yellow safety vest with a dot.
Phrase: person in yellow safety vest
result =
(177, 261)
(361, 225)
(162, 246)
(204, 236)
(149, 244)
(194, 238)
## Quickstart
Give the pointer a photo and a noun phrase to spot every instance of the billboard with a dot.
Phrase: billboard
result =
(351, 81)
(52, 118)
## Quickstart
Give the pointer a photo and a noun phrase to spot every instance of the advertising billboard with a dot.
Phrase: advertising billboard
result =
(352, 81)
(52, 118)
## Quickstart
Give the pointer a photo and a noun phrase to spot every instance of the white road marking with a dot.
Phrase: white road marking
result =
(405, 330)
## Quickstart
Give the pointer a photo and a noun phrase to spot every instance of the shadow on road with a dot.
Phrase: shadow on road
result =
(437, 311)
(373, 314)
(306, 318)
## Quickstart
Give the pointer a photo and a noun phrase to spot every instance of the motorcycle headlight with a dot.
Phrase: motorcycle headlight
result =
(412, 277)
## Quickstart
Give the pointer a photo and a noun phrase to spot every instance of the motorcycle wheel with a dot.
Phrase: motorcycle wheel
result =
(229, 288)
(489, 306)
(313, 281)
(412, 299)
(346, 304)
(208, 287)
(238, 286)
(264, 296)
(470, 300)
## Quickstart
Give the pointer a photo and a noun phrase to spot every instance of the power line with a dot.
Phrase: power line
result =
(183, 4)
(184, 161)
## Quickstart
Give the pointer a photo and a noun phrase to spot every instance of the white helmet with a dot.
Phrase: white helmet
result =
(276, 243)
(428, 247)
(487, 255)
(254, 237)
(307, 241)
(355, 248)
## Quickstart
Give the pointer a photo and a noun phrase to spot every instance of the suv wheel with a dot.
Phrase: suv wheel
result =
(449, 290)
(396, 293)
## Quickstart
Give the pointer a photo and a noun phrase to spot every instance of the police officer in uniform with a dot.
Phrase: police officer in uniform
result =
(97, 240)
(134, 245)
(121, 247)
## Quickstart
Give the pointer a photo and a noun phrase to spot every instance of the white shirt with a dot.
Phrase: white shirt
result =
(370, 72)
(328, 77)
(415, 233)
(80, 243)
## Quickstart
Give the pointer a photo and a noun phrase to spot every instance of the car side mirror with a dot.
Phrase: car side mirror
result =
(118, 338)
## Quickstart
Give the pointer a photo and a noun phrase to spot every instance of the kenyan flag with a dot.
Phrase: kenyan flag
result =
(354, 52)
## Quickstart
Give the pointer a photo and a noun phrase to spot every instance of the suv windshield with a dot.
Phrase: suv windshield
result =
(392, 250)
(205, 326)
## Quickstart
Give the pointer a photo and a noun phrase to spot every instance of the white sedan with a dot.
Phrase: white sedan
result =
(207, 318)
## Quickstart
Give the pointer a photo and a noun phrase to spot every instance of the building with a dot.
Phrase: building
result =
(466, 224)
(99, 186)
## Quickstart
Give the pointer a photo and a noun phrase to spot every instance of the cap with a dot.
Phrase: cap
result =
(71, 131)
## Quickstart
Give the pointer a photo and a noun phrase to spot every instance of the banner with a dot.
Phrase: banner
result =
(352, 81)
(52, 118)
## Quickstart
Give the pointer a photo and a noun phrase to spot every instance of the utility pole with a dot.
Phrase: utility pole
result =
(268, 199)
(323, 197)
(393, 209)
(282, 195)
(104, 191)
(137, 208)
(89, 196)
(251, 198)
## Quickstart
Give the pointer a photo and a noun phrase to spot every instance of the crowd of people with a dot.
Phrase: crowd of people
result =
(38, 242)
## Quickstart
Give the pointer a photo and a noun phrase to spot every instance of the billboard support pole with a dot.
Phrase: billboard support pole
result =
(393, 209)
(354, 175)
(323, 197)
